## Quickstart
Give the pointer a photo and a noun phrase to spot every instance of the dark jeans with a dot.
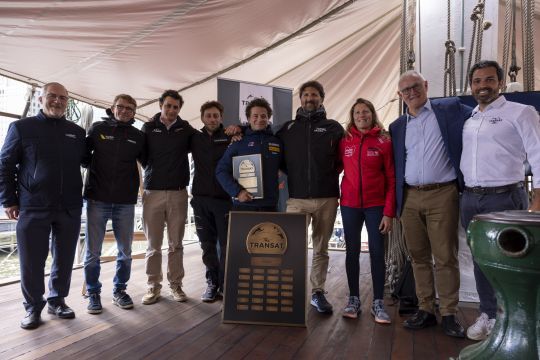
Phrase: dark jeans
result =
(33, 231)
(473, 204)
(353, 220)
(211, 222)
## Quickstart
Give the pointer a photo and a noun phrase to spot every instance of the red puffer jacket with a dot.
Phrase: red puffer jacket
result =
(368, 164)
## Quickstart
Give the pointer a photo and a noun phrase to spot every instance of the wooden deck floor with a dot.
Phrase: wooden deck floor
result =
(194, 330)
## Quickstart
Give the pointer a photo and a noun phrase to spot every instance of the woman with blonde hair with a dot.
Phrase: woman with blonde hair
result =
(367, 195)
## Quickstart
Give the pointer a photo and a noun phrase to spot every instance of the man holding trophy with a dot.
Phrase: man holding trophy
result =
(248, 171)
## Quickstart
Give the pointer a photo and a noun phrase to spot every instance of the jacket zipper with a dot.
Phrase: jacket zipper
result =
(360, 172)
(309, 155)
(117, 150)
(61, 163)
(213, 189)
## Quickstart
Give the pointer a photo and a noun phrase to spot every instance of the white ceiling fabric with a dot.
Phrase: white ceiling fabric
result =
(98, 49)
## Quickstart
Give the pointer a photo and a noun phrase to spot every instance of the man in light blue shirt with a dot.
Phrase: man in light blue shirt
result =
(424, 144)
(427, 148)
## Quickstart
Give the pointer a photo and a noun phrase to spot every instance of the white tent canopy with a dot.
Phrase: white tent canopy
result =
(98, 49)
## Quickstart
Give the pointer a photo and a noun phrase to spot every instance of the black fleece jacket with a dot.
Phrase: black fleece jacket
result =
(114, 148)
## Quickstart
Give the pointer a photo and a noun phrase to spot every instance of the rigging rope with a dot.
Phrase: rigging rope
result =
(514, 68)
(528, 44)
(403, 39)
(396, 251)
(73, 113)
(507, 19)
(477, 18)
(411, 14)
(449, 61)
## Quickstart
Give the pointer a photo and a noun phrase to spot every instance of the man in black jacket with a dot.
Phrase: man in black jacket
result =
(166, 175)
(310, 145)
(111, 188)
(40, 186)
(210, 203)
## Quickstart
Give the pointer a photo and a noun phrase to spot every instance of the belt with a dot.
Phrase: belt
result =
(494, 189)
(428, 187)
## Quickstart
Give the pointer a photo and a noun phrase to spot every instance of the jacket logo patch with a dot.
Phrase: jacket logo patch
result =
(132, 141)
(157, 130)
(179, 129)
(349, 151)
(251, 143)
(495, 120)
(73, 136)
(372, 152)
(317, 130)
(273, 147)
(106, 137)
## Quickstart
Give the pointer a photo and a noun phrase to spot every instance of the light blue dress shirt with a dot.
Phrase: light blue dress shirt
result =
(426, 158)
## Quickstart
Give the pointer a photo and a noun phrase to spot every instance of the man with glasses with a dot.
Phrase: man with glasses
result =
(427, 150)
(40, 186)
(114, 145)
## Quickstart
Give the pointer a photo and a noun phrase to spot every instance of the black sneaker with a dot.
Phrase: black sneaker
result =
(94, 304)
(122, 300)
(210, 293)
(318, 300)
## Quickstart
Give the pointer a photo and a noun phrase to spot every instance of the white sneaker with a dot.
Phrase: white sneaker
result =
(151, 296)
(481, 329)
(178, 294)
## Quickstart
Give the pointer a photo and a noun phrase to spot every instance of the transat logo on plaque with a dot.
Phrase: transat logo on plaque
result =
(266, 272)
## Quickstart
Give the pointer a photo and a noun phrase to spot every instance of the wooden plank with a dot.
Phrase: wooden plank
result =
(403, 339)
(381, 345)
(59, 344)
(194, 330)
(424, 346)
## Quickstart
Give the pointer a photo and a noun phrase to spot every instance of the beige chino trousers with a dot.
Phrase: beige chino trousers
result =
(322, 214)
(160, 208)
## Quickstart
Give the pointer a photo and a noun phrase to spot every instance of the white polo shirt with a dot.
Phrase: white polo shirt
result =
(497, 141)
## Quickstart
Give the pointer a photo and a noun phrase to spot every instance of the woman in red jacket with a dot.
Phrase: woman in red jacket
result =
(367, 194)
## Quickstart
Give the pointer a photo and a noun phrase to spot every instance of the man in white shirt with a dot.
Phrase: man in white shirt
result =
(497, 139)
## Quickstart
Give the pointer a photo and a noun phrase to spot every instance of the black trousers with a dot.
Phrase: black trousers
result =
(211, 222)
(473, 204)
(34, 229)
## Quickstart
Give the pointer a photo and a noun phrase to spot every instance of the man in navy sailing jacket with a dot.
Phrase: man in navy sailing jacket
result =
(41, 187)
(258, 139)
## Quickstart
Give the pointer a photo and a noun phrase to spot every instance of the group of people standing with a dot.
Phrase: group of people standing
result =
(416, 172)
(443, 148)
